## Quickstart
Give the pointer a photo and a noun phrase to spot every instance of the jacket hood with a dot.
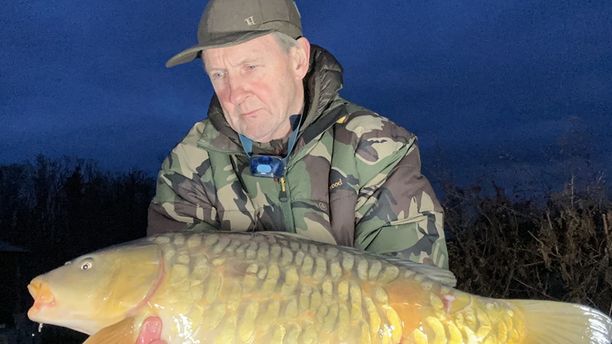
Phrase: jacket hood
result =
(321, 86)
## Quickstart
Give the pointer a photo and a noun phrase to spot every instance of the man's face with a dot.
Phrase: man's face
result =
(259, 85)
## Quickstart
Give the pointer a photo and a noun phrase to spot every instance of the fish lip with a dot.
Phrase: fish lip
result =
(42, 295)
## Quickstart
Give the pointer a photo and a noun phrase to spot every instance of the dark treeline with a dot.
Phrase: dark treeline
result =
(507, 246)
(71, 204)
(500, 245)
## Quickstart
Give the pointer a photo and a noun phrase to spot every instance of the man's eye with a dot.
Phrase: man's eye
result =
(251, 67)
(216, 75)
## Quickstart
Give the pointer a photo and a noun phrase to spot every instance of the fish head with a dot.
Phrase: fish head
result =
(98, 289)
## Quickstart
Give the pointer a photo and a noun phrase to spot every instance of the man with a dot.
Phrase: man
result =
(282, 151)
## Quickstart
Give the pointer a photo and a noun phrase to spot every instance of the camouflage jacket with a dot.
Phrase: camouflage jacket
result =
(353, 179)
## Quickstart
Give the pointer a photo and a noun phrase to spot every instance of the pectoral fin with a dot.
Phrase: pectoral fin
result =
(122, 332)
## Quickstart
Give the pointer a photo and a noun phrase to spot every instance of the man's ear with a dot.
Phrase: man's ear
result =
(301, 56)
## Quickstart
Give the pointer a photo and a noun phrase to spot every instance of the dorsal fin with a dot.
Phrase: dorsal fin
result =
(434, 273)
(439, 275)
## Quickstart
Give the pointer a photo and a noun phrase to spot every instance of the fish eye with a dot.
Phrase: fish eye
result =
(86, 265)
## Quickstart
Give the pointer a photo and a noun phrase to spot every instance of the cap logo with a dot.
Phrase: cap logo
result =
(250, 21)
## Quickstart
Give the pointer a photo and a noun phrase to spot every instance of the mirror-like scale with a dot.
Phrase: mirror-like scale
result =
(268, 289)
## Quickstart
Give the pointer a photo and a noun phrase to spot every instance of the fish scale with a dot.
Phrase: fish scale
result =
(274, 288)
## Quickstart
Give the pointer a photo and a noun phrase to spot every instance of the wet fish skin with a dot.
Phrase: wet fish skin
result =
(273, 288)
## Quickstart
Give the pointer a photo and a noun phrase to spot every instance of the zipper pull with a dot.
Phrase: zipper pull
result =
(283, 189)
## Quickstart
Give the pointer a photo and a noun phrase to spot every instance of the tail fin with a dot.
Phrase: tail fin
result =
(559, 323)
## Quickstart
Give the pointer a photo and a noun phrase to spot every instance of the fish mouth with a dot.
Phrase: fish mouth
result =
(42, 295)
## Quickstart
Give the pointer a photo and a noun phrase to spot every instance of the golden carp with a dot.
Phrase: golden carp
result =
(268, 287)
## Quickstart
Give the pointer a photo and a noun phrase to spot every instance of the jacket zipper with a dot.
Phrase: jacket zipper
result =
(283, 190)
(285, 203)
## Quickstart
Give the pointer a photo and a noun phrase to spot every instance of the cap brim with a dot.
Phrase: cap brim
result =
(184, 56)
(193, 52)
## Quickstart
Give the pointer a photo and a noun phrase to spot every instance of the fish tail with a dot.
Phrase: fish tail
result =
(559, 323)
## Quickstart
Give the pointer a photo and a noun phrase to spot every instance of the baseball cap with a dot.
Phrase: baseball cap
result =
(228, 22)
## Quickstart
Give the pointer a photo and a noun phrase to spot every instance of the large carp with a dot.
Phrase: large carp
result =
(270, 288)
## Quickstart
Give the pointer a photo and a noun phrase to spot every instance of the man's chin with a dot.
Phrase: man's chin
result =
(257, 137)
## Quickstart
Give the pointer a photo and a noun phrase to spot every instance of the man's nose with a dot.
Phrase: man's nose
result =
(237, 89)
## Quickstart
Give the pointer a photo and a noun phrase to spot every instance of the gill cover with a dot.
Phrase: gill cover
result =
(137, 270)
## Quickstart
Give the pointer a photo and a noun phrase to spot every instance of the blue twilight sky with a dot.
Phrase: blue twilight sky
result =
(508, 90)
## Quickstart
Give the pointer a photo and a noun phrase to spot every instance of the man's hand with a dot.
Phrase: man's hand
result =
(150, 332)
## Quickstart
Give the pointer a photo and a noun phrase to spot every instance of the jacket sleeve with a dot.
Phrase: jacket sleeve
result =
(397, 212)
(181, 201)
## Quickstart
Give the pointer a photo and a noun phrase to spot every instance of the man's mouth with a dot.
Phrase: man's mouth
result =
(249, 113)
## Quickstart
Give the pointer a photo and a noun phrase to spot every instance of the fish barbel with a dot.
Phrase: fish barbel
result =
(267, 287)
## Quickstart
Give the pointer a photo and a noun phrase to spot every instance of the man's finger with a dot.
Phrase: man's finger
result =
(150, 332)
